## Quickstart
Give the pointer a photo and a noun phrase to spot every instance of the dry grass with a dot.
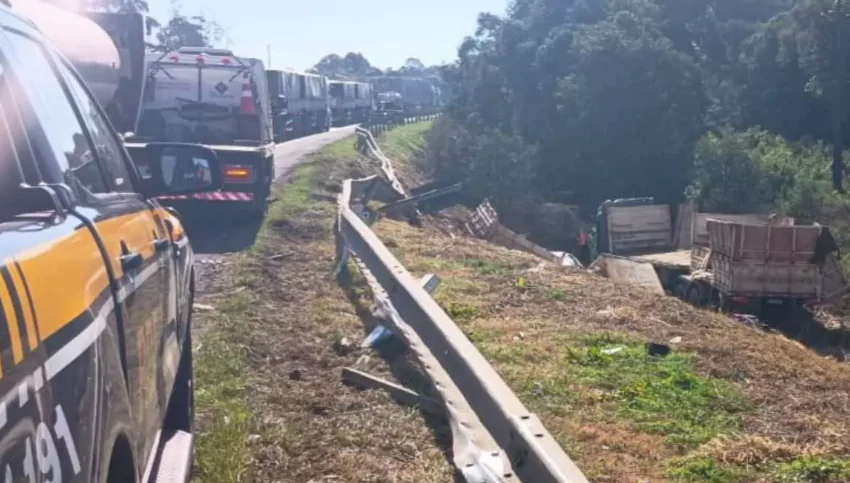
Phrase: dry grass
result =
(272, 407)
(731, 403)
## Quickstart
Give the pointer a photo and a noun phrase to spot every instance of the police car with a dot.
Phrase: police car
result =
(96, 282)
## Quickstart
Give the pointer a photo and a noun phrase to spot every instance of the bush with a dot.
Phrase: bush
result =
(490, 164)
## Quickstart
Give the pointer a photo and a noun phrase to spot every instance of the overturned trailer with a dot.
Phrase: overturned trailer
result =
(741, 262)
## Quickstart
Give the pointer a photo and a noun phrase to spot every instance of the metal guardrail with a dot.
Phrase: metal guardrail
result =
(495, 438)
(378, 124)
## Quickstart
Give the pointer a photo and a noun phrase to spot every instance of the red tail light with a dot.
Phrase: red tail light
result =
(237, 173)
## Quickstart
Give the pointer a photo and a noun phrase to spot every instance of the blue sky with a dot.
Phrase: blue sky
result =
(300, 32)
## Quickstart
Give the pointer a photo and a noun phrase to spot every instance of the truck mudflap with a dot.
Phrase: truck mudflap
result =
(213, 196)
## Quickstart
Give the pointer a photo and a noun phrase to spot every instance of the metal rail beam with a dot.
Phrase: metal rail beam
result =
(535, 455)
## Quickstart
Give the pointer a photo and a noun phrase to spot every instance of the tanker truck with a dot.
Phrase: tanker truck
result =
(213, 97)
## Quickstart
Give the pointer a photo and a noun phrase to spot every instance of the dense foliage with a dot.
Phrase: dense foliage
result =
(354, 65)
(736, 103)
(179, 30)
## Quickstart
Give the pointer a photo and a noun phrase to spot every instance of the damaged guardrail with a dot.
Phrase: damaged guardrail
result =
(495, 438)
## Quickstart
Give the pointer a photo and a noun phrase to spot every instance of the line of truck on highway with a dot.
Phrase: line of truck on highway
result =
(232, 104)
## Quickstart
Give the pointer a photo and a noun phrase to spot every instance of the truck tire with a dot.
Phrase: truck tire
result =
(694, 297)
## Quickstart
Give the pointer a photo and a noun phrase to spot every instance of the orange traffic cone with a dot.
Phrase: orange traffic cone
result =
(247, 105)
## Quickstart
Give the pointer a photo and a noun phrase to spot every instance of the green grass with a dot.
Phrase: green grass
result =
(805, 469)
(405, 142)
(661, 395)
(221, 373)
(222, 452)
(704, 470)
(485, 267)
(813, 469)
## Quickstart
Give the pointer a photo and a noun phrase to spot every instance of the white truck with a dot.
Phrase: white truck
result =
(215, 98)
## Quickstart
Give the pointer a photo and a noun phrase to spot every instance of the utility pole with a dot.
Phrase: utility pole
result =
(269, 55)
(838, 98)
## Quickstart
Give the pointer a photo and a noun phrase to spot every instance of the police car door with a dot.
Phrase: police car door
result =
(80, 143)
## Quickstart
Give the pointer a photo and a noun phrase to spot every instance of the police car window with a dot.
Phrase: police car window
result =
(53, 110)
(10, 173)
(107, 148)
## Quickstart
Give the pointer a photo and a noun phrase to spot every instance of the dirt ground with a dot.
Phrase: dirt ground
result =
(277, 331)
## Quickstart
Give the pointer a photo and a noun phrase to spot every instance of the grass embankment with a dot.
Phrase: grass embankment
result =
(728, 404)
(270, 403)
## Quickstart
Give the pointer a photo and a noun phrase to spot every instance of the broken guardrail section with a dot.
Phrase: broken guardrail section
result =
(495, 438)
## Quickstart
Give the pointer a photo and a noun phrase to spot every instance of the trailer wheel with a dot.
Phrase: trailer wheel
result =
(724, 304)
(694, 297)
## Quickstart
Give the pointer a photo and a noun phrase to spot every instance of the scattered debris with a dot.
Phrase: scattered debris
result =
(613, 350)
(203, 307)
(676, 340)
(279, 256)
(658, 350)
(378, 335)
(342, 346)
(399, 393)
(607, 312)
(747, 319)
(296, 374)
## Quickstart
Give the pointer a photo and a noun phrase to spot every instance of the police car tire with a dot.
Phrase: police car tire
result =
(181, 408)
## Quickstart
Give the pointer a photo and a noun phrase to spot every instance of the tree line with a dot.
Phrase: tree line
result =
(740, 105)
(354, 65)
(179, 30)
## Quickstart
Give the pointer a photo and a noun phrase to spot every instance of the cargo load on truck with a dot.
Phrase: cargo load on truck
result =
(741, 262)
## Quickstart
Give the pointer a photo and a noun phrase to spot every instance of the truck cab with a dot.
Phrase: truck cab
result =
(96, 281)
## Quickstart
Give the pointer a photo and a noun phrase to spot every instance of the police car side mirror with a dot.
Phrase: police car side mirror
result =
(179, 168)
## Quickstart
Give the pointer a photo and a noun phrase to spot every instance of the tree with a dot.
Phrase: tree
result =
(352, 65)
(188, 31)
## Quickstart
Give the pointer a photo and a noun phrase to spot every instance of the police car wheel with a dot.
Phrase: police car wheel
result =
(181, 407)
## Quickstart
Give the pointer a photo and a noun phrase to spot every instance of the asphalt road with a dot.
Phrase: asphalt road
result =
(291, 153)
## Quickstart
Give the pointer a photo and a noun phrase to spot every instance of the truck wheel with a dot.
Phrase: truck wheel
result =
(694, 297)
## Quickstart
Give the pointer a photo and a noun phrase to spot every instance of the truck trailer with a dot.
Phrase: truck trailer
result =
(745, 263)
(301, 103)
(420, 95)
(351, 101)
